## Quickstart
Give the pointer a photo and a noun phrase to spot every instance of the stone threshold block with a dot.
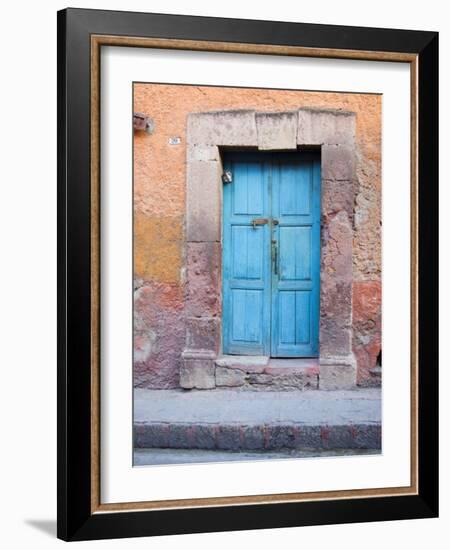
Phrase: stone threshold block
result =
(263, 373)
(202, 370)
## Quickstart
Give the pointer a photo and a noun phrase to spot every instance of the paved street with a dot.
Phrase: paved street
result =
(143, 457)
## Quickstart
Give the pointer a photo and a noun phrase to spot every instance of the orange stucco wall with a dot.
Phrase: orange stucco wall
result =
(159, 203)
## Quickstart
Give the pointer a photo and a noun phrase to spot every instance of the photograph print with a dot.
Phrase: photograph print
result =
(257, 274)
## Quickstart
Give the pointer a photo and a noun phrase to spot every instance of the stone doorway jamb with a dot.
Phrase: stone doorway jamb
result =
(334, 132)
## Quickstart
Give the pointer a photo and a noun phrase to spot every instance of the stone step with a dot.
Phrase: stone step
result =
(267, 374)
(234, 420)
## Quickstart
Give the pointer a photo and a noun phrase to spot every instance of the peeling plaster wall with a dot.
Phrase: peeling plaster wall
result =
(159, 224)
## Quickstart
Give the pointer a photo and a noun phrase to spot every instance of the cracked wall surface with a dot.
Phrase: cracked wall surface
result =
(163, 314)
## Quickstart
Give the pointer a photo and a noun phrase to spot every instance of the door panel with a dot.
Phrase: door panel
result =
(246, 259)
(246, 316)
(249, 195)
(294, 244)
(294, 305)
(295, 196)
(295, 191)
(271, 270)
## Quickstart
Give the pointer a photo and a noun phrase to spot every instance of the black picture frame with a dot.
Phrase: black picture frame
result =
(75, 518)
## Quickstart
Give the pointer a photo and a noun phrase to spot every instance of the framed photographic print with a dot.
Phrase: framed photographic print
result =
(247, 274)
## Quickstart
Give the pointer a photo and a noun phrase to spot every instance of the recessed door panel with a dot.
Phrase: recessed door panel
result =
(247, 308)
(295, 252)
(295, 192)
(247, 258)
(249, 194)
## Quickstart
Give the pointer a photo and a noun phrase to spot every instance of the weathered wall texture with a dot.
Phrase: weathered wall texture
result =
(159, 224)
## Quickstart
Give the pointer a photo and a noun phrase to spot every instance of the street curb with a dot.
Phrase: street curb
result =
(238, 437)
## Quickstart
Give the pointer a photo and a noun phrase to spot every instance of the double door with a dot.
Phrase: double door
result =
(271, 254)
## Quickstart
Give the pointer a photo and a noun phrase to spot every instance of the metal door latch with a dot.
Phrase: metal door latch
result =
(259, 221)
(227, 176)
(275, 256)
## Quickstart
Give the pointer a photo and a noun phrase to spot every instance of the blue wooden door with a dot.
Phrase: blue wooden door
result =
(296, 256)
(246, 256)
(271, 254)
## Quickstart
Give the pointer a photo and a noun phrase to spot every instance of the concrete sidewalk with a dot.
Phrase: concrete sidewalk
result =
(237, 420)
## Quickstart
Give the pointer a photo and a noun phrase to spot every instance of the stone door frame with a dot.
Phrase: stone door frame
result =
(333, 131)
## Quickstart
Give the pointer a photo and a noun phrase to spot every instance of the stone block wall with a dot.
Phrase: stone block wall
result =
(170, 315)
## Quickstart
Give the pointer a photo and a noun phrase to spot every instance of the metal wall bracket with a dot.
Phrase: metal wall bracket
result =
(227, 177)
